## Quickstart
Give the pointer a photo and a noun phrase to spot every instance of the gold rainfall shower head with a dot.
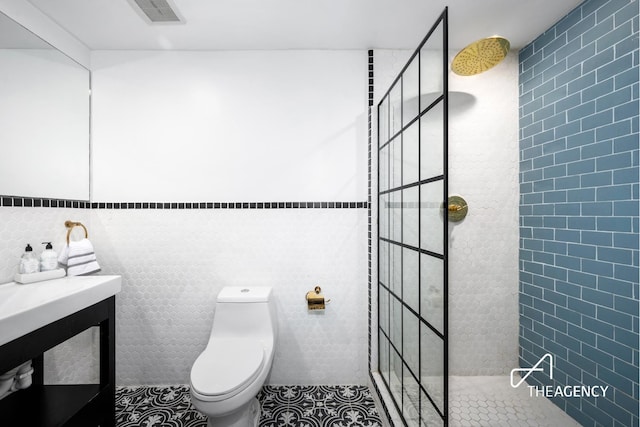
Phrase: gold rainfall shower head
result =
(480, 55)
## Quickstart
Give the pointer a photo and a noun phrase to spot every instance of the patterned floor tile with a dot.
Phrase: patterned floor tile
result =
(156, 406)
(299, 406)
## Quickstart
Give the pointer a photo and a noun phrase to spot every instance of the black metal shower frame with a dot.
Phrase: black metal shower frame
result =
(444, 99)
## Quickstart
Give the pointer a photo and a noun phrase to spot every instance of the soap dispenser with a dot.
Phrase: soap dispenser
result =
(29, 261)
(48, 258)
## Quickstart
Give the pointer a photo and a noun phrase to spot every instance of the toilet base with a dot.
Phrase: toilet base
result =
(247, 416)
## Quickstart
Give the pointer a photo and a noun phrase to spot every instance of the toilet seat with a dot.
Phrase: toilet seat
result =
(225, 367)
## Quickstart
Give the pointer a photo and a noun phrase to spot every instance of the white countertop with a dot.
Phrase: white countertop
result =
(25, 308)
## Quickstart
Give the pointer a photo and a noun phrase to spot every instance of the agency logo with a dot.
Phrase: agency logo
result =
(551, 391)
(534, 368)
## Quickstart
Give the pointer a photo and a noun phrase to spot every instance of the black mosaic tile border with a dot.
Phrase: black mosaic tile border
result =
(28, 202)
(38, 202)
(229, 205)
(370, 70)
(369, 219)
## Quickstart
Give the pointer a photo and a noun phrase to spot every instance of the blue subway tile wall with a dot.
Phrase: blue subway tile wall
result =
(579, 186)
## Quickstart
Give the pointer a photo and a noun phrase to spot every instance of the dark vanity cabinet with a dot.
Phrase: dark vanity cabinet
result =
(43, 405)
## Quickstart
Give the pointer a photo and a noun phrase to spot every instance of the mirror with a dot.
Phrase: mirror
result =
(44, 118)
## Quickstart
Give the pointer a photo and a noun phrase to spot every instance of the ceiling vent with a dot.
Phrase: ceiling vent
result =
(157, 11)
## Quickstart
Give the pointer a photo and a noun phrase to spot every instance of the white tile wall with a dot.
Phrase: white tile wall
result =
(174, 262)
(483, 168)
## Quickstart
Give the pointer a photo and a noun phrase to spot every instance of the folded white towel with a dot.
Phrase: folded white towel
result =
(83, 269)
(79, 258)
(63, 256)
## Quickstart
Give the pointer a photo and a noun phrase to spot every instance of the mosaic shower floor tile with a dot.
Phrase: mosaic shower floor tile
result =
(481, 401)
(299, 406)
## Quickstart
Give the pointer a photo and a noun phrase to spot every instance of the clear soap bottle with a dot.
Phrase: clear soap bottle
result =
(48, 258)
(29, 261)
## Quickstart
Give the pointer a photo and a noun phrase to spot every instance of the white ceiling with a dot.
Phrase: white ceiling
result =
(303, 24)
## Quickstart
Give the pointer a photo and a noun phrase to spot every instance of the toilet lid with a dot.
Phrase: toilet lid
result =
(226, 365)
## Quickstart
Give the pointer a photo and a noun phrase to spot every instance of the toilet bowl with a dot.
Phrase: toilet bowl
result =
(229, 373)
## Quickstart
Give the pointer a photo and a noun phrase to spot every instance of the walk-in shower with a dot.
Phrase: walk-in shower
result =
(412, 233)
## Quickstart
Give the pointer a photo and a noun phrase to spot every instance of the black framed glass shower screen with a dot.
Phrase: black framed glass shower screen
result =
(412, 233)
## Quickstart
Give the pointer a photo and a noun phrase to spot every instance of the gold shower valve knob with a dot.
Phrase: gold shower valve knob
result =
(457, 207)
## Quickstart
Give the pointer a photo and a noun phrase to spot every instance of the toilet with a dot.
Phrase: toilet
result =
(232, 369)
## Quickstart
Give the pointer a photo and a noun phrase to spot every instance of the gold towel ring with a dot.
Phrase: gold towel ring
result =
(71, 224)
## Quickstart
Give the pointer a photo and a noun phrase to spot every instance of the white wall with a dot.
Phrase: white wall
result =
(233, 126)
(229, 126)
(483, 249)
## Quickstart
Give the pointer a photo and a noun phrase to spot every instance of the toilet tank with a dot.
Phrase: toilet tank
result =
(245, 311)
(245, 294)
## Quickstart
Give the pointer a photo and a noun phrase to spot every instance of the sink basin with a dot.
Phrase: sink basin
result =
(25, 308)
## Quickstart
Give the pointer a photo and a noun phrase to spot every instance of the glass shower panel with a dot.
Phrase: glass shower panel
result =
(395, 175)
(383, 169)
(383, 309)
(395, 216)
(410, 279)
(428, 415)
(431, 69)
(410, 400)
(395, 376)
(410, 154)
(383, 121)
(431, 217)
(383, 271)
(395, 108)
(410, 217)
(431, 148)
(383, 356)
(432, 365)
(396, 269)
(395, 323)
(412, 256)
(410, 91)
(432, 292)
(411, 342)
(383, 218)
